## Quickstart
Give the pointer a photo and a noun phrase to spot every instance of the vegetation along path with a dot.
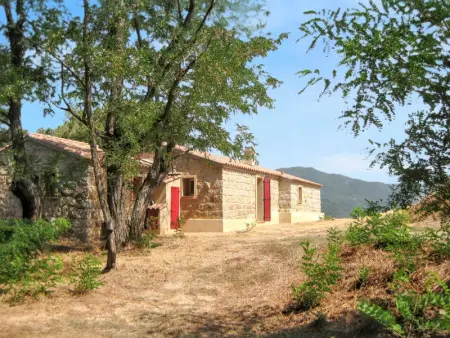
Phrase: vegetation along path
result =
(201, 285)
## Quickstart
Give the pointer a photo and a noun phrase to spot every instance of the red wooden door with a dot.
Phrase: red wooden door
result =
(174, 207)
(266, 199)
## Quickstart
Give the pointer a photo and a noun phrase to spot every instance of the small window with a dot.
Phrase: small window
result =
(189, 187)
(300, 195)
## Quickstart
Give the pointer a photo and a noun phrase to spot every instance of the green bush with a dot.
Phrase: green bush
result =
(439, 241)
(20, 243)
(322, 272)
(416, 313)
(383, 231)
(39, 278)
(86, 274)
(363, 277)
(146, 241)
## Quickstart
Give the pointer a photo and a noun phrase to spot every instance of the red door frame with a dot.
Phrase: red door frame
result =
(174, 207)
(266, 200)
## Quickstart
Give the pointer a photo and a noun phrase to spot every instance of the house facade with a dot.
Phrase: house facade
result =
(204, 193)
(216, 194)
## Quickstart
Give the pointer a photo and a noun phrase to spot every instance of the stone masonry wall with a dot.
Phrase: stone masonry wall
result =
(208, 202)
(10, 206)
(310, 198)
(239, 194)
(285, 196)
(274, 195)
(64, 187)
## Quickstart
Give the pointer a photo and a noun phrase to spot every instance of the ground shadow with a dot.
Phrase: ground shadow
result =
(264, 322)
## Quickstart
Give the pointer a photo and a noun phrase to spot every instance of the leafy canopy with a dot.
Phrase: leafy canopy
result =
(172, 74)
(391, 51)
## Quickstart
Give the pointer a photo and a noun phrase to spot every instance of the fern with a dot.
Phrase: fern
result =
(429, 311)
(381, 315)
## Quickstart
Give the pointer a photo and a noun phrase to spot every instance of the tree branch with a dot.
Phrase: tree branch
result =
(190, 14)
(68, 107)
(205, 17)
(8, 12)
(180, 15)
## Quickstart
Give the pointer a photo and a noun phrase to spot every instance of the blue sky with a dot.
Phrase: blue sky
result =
(300, 131)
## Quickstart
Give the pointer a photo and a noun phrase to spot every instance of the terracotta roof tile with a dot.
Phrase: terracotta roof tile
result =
(226, 161)
(83, 149)
(76, 147)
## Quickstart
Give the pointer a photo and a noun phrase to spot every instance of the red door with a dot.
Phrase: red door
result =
(174, 207)
(266, 199)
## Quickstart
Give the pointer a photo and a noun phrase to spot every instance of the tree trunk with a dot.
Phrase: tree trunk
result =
(154, 179)
(22, 185)
(116, 203)
(97, 164)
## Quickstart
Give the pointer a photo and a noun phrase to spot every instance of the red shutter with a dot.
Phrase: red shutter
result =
(174, 207)
(266, 199)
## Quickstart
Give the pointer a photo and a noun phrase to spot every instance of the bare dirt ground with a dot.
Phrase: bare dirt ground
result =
(201, 285)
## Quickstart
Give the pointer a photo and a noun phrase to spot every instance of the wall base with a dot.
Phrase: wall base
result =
(230, 225)
(300, 216)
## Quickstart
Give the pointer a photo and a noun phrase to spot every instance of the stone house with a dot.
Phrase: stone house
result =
(207, 192)
(216, 194)
(67, 183)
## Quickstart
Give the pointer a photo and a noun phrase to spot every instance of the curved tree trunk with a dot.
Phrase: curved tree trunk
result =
(96, 162)
(116, 203)
(22, 185)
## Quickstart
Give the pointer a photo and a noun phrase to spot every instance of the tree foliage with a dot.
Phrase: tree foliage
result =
(392, 51)
(143, 76)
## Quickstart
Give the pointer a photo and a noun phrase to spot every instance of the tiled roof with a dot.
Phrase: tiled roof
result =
(226, 161)
(83, 149)
(76, 147)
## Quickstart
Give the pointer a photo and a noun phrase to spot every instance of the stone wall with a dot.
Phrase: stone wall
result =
(289, 197)
(311, 199)
(274, 195)
(10, 205)
(239, 194)
(285, 196)
(64, 187)
(208, 202)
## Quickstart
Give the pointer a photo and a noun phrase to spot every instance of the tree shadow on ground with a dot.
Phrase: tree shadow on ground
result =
(267, 322)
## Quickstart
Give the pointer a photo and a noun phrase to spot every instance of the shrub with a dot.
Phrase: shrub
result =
(39, 278)
(86, 274)
(439, 241)
(146, 241)
(20, 243)
(358, 213)
(179, 227)
(320, 275)
(415, 312)
(363, 277)
(383, 231)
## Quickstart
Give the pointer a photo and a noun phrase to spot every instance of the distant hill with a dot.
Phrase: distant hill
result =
(341, 193)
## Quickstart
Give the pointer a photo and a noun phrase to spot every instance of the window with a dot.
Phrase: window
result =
(189, 186)
(300, 195)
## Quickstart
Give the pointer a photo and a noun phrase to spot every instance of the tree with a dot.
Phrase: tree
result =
(161, 74)
(391, 51)
(22, 79)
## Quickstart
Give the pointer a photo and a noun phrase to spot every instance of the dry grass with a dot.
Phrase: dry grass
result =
(203, 285)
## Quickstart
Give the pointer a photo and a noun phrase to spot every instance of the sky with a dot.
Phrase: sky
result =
(301, 130)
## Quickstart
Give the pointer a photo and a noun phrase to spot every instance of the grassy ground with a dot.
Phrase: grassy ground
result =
(201, 285)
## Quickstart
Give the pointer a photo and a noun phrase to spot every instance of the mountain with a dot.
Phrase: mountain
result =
(341, 193)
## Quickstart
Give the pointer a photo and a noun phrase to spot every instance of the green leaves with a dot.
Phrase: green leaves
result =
(20, 270)
(381, 315)
(320, 276)
(389, 53)
(86, 274)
